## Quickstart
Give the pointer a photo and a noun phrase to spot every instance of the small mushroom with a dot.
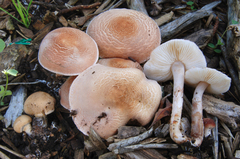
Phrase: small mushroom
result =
(209, 124)
(170, 61)
(64, 92)
(23, 124)
(39, 104)
(67, 51)
(124, 33)
(107, 97)
(120, 63)
(212, 81)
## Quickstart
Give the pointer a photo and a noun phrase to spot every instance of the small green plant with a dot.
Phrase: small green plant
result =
(3, 91)
(191, 4)
(2, 45)
(22, 11)
(211, 45)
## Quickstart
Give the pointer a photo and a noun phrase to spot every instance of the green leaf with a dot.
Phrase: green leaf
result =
(217, 50)
(219, 42)
(2, 91)
(2, 45)
(190, 3)
(8, 93)
(234, 22)
(211, 45)
(12, 72)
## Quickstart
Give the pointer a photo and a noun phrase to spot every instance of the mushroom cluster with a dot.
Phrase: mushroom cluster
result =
(39, 105)
(107, 93)
(110, 92)
(182, 61)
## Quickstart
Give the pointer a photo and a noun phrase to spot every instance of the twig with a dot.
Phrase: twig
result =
(131, 141)
(103, 5)
(3, 156)
(48, 5)
(26, 83)
(78, 7)
(9, 143)
(229, 65)
(12, 152)
(171, 29)
(144, 146)
(227, 146)
(227, 129)
(236, 142)
(215, 138)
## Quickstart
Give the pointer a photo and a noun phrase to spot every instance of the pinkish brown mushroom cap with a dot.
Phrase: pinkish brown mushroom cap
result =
(64, 92)
(125, 33)
(107, 98)
(67, 51)
(120, 63)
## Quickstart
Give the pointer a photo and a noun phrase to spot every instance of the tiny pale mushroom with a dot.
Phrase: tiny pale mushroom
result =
(211, 81)
(169, 61)
(39, 104)
(209, 124)
(119, 63)
(64, 92)
(124, 33)
(23, 124)
(107, 97)
(67, 51)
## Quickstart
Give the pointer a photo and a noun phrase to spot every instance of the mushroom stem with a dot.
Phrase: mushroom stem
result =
(178, 78)
(197, 120)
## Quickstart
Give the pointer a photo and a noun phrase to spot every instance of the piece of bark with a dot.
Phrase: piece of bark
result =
(228, 112)
(15, 106)
(144, 146)
(184, 156)
(79, 154)
(42, 33)
(130, 141)
(227, 146)
(144, 154)
(235, 28)
(162, 130)
(215, 138)
(236, 141)
(171, 29)
(137, 5)
(230, 67)
(129, 131)
(233, 43)
(200, 37)
(109, 155)
(164, 18)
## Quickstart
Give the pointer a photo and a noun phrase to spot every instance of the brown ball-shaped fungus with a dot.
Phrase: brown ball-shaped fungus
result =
(23, 124)
(67, 51)
(39, 104)
(107, 97)
(124, 33)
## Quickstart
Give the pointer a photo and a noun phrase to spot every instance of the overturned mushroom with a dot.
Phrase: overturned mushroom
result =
(124, 33)
(67, 51)
(106, 98)
(212, 81)
(171, 60)
(23, 124)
